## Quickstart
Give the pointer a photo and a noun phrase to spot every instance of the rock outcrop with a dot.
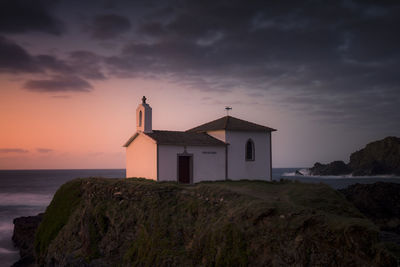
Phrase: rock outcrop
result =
(377, 158)
(333, 168)
(107, 222)
(297, 172)
(24, 238)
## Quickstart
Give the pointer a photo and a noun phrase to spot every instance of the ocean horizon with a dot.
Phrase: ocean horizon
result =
(28, 192)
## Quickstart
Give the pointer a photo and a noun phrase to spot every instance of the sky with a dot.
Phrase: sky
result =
(325, 74)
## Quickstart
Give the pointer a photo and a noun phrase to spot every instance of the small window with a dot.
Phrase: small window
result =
(140, 118)
(250, 150)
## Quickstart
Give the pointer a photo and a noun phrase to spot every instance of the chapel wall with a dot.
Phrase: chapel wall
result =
(238, 167)
(208, 162)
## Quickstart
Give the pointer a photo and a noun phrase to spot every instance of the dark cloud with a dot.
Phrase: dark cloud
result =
(266, 36)
(53, 64)
(14, 58)
(44, 150)
(334, 60)
(341, 57)
(65, 74)
(152, 28)
(59, 84)
(87, 64)
(21, 16)
(109, 26)
(13, 150)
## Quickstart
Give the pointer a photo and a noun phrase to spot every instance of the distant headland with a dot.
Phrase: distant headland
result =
(380, 157)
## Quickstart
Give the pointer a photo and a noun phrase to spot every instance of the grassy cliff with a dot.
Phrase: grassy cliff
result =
(136, 222)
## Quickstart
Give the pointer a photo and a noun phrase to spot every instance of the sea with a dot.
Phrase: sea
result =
(28, 192)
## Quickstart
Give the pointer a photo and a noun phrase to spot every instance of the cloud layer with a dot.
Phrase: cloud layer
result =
(60, 75)
(108, 26)
(336, 61)
(13, 150)
(20, 16)
(59, 84)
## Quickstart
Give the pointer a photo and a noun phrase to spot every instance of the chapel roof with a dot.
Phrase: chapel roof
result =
(180, 138)
(232, 124)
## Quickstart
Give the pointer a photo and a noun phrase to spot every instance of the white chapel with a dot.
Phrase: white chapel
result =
(224, 149)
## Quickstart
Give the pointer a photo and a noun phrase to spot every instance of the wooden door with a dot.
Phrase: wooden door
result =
(184, 171)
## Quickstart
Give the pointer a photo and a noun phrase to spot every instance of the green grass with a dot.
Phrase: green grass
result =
(292, 197)
(64, 203)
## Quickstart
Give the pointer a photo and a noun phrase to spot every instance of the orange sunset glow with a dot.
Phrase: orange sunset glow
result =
(88, 131)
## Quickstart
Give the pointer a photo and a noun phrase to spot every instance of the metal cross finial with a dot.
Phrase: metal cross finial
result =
(227, 108)
(144, 100)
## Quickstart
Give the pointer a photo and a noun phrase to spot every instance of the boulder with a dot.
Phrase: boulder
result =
(297, 172)
(24, 237)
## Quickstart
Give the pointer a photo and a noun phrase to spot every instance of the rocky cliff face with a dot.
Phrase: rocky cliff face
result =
(24, 237)
(107, 222)
(377, 158)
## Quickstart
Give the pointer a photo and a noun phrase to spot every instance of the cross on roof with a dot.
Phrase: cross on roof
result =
(227, 108)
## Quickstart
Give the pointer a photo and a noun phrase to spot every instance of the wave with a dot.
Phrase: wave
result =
(25, 199)
(305, 173)
(7, 251)
(6, 227)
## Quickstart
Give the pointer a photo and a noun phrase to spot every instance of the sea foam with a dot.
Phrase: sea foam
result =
(306, 174)
(24, 199)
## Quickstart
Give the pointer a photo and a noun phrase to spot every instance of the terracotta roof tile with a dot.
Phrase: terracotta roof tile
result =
(180, 138)
(130, 139)
(232, 124)
(197, 136)
(184, 138)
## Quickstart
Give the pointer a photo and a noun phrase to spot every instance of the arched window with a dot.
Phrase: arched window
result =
(250, 152)
(140, 118)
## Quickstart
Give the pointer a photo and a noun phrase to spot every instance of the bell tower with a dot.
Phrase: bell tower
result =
(143, 117)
